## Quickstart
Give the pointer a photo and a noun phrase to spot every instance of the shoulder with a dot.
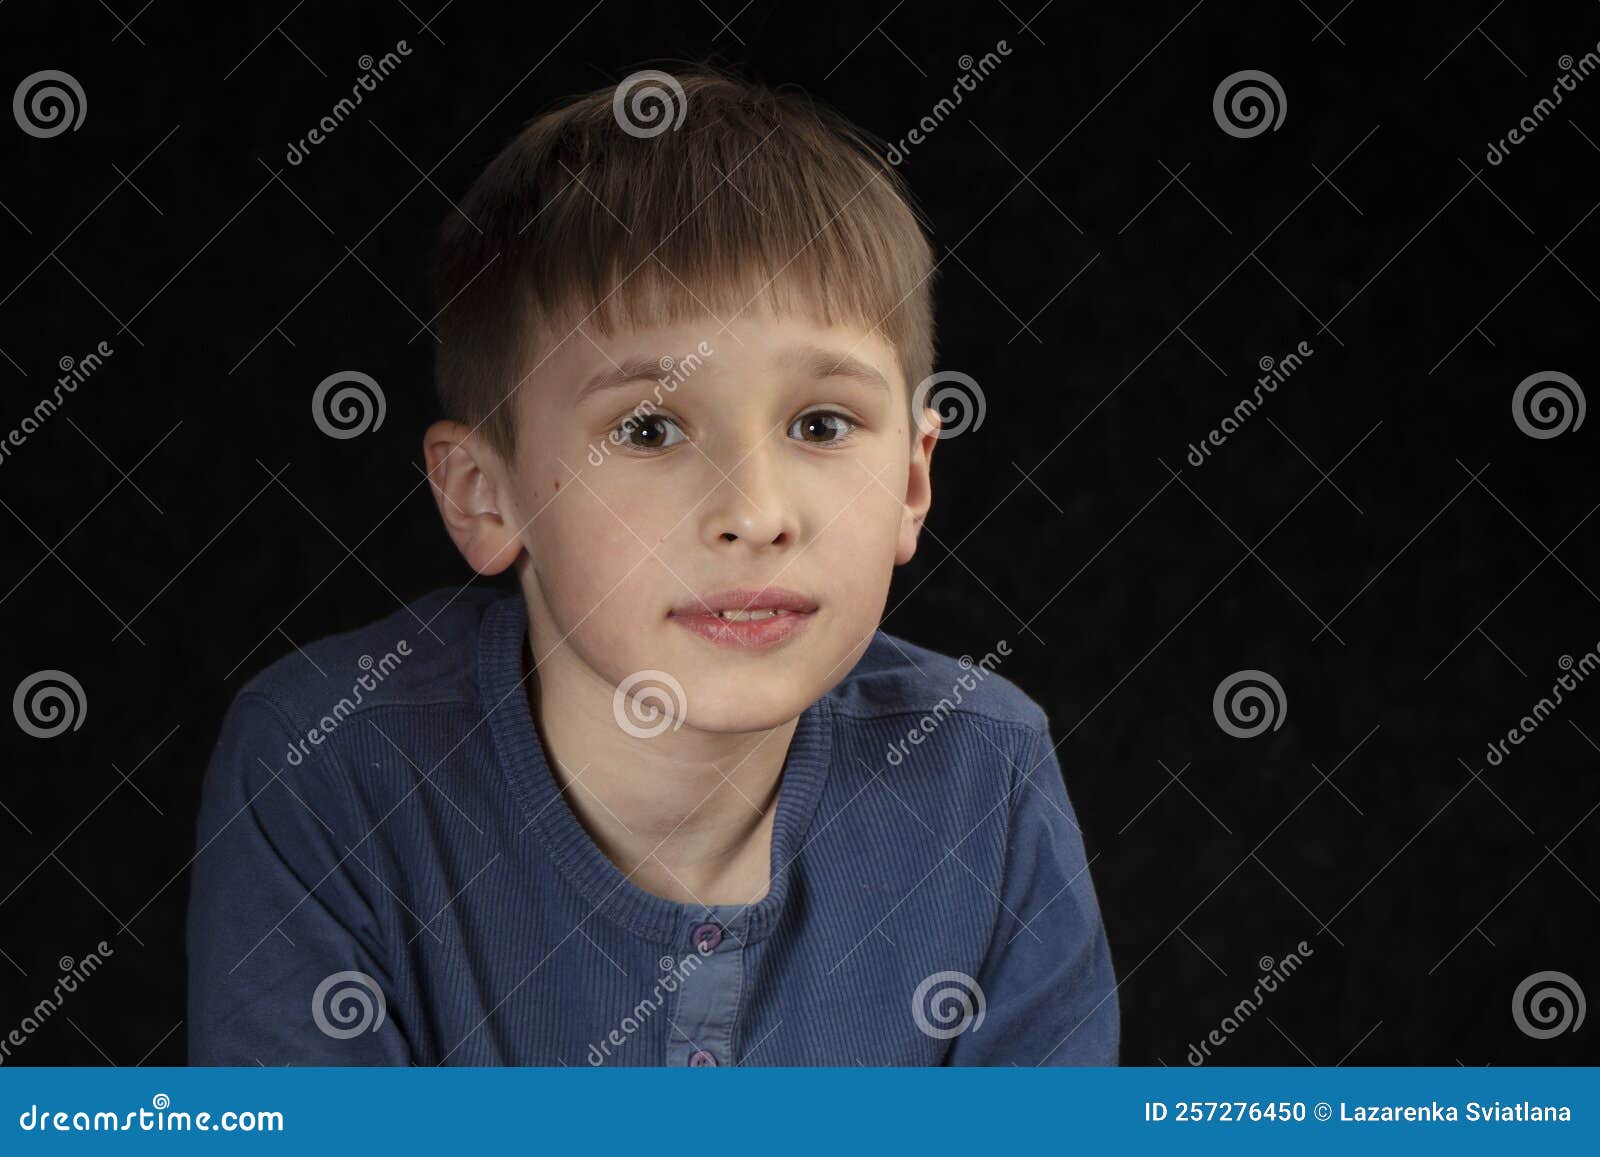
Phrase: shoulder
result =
(422, 654)
(896, 678)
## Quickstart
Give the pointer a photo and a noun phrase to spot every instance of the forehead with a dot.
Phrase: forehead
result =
(751, 346)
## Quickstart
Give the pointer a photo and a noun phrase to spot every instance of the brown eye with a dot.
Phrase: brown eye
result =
(651, 432)
(821, 427)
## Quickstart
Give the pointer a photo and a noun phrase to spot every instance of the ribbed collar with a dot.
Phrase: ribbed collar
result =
(521, 754)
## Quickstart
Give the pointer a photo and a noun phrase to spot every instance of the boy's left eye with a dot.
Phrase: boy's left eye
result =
(822, 427)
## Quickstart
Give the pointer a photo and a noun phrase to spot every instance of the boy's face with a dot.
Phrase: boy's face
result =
(771, 455)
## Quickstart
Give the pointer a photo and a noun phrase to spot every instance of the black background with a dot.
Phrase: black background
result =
(1113, 266)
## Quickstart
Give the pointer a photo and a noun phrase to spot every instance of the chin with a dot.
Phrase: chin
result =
(738, 705)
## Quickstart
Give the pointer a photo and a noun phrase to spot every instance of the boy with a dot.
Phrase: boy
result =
(678, 801)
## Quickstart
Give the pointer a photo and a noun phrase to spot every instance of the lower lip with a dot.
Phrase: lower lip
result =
(745, 634)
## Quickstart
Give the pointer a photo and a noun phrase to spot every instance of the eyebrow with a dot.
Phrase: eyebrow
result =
(814, 361)
(621, 374)
(807, 360)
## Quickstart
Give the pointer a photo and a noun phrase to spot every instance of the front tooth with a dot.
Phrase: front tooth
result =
(744, 615)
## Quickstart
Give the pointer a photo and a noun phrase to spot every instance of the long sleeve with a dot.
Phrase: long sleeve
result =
(286, 957)
(1047, 978)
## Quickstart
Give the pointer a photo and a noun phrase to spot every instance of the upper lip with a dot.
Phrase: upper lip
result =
(747, 599)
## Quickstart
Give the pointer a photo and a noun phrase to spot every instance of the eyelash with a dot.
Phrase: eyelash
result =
(618, 434)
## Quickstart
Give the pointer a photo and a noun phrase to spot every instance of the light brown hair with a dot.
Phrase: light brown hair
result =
(601, 213)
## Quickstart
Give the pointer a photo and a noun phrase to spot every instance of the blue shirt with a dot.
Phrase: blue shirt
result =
(388, 873)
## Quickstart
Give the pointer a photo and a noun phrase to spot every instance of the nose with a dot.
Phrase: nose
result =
(749, 500)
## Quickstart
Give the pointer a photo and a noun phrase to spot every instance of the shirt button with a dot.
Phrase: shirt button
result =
(702, 1059)
(706, 937)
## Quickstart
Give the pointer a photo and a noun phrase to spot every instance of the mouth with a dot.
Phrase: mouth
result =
(746, 619)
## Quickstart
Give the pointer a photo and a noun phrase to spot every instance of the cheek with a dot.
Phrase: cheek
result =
(859, 544)
(603, 541)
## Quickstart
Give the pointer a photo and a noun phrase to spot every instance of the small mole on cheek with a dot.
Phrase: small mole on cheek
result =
(558, 484)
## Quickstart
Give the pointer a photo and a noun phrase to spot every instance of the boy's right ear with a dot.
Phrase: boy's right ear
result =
(469, 484)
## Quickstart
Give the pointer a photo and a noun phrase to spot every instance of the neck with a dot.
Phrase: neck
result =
(686, 814)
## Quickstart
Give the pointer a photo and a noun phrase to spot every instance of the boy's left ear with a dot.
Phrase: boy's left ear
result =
(919, 485)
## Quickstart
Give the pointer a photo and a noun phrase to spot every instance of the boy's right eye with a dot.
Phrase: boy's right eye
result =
(650, 432)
